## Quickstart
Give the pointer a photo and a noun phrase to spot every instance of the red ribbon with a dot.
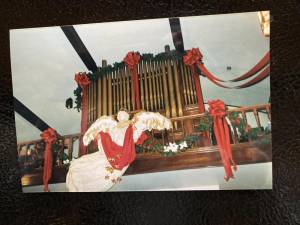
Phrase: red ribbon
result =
(217, 111)
(49, 137)
(194, 58)
(261, 64)
(261, 76)
(132, 60)
(120, 156)
(191, 59)
(83, 81)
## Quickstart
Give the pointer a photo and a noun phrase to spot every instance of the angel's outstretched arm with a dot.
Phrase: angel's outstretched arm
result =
(104, 123)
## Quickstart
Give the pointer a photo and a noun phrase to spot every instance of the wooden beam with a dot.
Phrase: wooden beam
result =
(79, 47)
(176, 34)
(28, 115)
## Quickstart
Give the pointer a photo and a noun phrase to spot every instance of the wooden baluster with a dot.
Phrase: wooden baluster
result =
(132, 90)
(165, 87)
(91, 102)
(147, 95)
(124, 88)
(110, 101)
(118, 90)
(257, 118)
(70, 147)
(182, 75)
(104, 89)
(188, 85)
(177, 88)
(128, 88)
(159, 73)
(99, 95)
(268, 111)
(149, 75)
(153, 75)
(88, 105)
(192, 86)
(244, 117)
(158, 93)
(171, 89)
(114, 92)
(142, 86)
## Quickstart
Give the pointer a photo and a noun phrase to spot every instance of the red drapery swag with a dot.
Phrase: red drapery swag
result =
(221, 131)
(49, 137)
(132, 60)
(120, 156)
(194, 58)
(83, 81)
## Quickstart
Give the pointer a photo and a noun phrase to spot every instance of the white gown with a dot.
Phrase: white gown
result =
(93, 172)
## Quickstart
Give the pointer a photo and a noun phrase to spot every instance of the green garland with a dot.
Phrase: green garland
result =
(103, 71)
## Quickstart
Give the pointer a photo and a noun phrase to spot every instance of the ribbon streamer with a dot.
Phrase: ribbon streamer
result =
(221, 131)
(83, 81)
(260, 77)
(194, 58)
(49, 137)
(132, 60)
(261, 64)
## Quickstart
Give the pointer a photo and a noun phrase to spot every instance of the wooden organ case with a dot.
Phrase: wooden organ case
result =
(166, 86)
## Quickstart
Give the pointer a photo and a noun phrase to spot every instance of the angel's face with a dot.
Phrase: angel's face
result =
(122, 116)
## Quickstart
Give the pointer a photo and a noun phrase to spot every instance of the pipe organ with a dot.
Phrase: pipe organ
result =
(166, 86)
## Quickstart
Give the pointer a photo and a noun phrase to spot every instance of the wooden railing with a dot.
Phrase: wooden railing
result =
(31, 153)
(179, 122)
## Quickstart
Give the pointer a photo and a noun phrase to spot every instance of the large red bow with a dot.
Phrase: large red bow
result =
(221, 130)
(192, 57)
(83, 81)
(49, 137)
(132, 59)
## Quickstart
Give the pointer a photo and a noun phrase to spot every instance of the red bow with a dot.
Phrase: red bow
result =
(49, 137)
(82, 79)
(132, 59)
(216, 108)
(221, 130)
(192, 57)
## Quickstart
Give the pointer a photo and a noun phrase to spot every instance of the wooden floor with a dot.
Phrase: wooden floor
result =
(243, 153)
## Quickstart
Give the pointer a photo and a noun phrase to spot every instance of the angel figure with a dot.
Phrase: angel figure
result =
(99, 171)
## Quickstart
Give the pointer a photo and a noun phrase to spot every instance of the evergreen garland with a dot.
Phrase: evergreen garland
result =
(103, 71)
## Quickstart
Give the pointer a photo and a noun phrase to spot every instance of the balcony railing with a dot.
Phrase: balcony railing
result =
(31, 152)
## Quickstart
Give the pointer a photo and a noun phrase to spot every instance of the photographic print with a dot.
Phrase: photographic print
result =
(164, 104)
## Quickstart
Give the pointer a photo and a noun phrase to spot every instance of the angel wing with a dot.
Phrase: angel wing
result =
(149, 120)
(104, 123)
